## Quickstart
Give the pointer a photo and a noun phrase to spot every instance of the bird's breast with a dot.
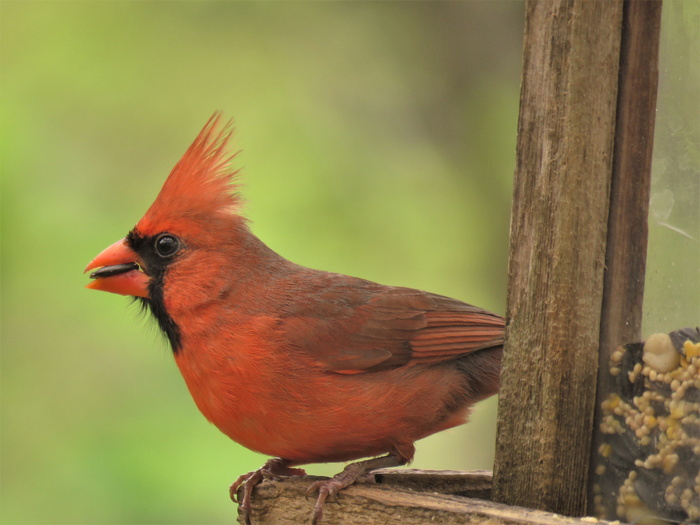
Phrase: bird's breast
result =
(273, 399)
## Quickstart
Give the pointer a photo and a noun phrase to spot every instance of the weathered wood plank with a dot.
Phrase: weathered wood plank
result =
(558, 237)
(283, 503)
(472, 484)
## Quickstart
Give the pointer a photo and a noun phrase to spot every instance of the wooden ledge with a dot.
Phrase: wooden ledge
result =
(405, 497)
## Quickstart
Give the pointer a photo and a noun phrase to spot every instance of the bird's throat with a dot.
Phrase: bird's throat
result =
(156, 305)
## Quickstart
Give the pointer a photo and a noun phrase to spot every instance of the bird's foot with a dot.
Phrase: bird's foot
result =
(353, 473)
(272, 469)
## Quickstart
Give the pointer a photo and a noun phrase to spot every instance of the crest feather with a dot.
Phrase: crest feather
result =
(201, 187)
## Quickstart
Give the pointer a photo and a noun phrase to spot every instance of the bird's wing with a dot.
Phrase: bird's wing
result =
(368, 328)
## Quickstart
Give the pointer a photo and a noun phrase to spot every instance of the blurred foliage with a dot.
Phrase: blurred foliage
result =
(376, 140)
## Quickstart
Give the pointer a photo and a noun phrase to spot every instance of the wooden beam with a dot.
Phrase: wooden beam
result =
(559, 222)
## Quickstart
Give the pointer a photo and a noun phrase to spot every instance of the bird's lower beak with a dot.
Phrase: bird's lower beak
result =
(116, 270)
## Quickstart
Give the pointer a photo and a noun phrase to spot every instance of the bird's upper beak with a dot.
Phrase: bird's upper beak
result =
(117, 271)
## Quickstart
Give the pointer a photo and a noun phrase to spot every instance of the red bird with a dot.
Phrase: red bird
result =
(302, 365)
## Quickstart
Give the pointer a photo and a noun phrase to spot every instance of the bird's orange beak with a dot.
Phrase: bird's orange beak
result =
(117, 271)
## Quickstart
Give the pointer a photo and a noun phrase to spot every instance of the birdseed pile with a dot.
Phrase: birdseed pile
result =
(649, 458)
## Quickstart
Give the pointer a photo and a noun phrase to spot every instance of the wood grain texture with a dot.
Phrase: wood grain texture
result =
(284, 503)
(472, 484)
(558, 239)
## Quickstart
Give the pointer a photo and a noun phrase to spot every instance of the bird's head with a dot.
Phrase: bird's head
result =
(193, 218)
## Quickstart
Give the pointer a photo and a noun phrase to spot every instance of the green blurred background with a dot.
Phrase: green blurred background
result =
(377, 139)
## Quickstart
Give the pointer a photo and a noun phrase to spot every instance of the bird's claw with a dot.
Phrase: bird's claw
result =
(360, 471)
(273, 469)
(328, 490)
(233, 489)
(248, 481)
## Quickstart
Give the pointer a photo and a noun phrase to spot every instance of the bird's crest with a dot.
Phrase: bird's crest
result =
(201, 187)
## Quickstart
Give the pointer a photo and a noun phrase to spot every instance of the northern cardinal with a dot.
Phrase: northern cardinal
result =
(299, 364)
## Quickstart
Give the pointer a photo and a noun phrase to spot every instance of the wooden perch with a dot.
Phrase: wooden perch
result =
(403, 497)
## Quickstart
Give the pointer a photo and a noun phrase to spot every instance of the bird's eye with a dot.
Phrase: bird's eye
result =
(167, 245)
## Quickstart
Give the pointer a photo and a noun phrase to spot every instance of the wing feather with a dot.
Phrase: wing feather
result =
(381, 327)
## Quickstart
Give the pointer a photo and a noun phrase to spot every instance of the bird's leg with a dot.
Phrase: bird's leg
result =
(351, 474)
(272, 469)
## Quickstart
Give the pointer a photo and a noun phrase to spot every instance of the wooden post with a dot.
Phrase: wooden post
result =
(559, 222)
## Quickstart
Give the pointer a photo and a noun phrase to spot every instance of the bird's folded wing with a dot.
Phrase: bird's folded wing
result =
(393, 327)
